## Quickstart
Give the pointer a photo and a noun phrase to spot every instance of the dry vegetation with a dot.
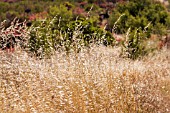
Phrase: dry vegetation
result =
(93, 81)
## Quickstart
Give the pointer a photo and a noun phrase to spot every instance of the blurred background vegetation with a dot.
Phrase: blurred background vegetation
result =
(61, 22)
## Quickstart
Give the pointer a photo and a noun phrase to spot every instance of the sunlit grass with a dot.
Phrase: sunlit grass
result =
(93, 81)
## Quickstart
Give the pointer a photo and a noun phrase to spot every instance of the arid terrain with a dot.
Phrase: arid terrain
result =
(94, 81)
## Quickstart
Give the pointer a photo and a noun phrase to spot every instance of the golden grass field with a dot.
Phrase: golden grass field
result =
(92, 81)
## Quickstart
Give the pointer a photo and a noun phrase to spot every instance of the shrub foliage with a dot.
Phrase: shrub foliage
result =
(58, 34)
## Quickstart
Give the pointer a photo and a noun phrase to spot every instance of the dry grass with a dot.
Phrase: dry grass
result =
(93, 81)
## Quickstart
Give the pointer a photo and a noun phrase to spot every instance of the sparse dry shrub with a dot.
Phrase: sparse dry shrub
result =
(15, 34)
(95, 80)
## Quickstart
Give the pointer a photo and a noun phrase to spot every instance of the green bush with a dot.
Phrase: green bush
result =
(61, 11)
(143, 17)
(134, 46)
(54, 34)
(138, 13)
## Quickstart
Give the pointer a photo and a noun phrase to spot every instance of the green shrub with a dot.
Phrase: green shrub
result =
(134, 46)
(138, 13)
(59, 34)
